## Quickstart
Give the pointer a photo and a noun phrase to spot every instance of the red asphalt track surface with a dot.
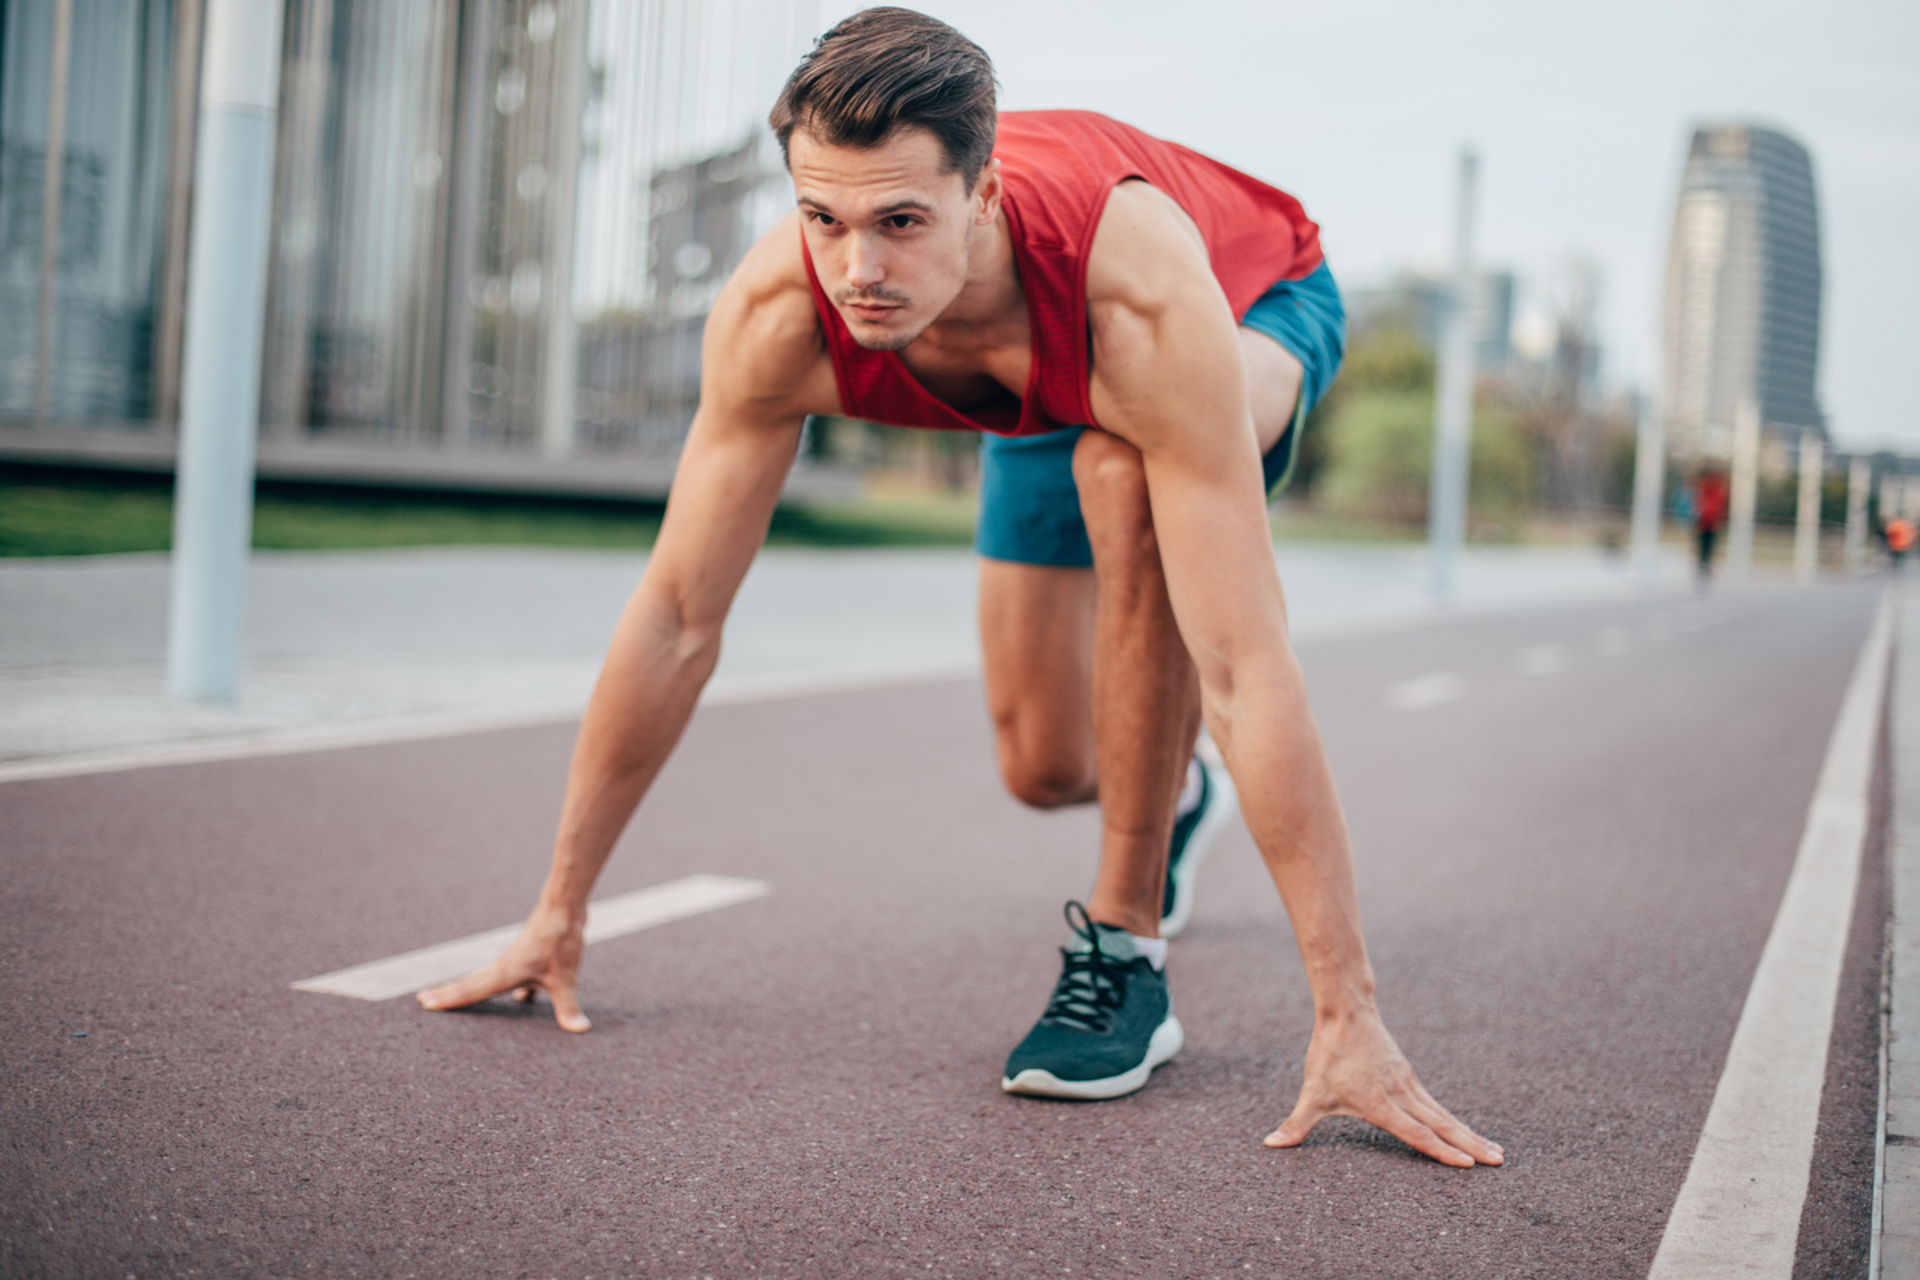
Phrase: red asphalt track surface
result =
(1567, 882)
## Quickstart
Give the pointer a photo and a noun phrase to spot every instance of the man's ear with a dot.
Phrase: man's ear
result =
(988, 190)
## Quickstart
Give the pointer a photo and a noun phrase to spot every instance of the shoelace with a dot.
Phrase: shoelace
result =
(1093, 984)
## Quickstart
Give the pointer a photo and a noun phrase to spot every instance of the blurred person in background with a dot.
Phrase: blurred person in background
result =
(1140, 331)
(1707, 496)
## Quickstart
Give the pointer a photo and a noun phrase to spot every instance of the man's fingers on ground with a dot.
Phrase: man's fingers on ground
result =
(1452, 1130)
(567, 1012)
(469, 990)
(1294, 1129)
(1417, 1134)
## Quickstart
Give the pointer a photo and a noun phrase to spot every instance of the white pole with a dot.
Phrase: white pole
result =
(1649, 478)
(559, 374)
(1859, 484)
(1453, 401)
(220, 382)
(1746, 477)
(1806, 528)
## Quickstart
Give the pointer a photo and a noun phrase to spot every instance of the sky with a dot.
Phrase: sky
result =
(1580, 115)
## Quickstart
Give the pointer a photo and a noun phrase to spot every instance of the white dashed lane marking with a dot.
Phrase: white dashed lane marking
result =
(608, 918)
(1426, 691)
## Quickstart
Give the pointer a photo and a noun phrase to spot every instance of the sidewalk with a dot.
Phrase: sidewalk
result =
(351, 646)
(1897, 1198)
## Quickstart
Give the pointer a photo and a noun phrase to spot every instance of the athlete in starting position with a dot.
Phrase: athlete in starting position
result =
(1141, 331)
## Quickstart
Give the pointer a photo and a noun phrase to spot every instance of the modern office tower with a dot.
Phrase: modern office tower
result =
(497, 228)
(1742, 314)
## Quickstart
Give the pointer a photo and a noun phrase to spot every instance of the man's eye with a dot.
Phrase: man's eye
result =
(824, 219)
(900, 221)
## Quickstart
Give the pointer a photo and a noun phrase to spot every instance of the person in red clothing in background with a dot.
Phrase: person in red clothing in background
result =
(1708, 495)
(1139, 330)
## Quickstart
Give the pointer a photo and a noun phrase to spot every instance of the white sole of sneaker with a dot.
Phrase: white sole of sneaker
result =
(1167, 1039)
(1226, 805)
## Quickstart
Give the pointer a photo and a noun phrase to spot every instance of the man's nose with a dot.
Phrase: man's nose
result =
(865, 268)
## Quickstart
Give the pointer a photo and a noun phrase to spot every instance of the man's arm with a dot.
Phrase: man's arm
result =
(762, 371)
(1169, 379)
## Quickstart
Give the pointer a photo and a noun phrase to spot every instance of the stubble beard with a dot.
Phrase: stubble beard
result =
(904, 339)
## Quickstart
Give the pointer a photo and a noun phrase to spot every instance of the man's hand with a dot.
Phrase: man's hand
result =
(545, 957)
(1355, 1069)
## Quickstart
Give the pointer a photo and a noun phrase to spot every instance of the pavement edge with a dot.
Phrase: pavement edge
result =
(1896, 1228)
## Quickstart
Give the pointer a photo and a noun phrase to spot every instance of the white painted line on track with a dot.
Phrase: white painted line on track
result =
(1422, 692)
(607, 918)
(427, 725)
(1544, 659)
(1738, 1213)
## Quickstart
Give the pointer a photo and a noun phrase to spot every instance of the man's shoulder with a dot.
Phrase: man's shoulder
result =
(763, 335)
(1145, 251)
(771, 277)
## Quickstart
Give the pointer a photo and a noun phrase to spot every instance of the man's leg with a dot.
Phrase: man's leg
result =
(1036, 637)
(1146, 693)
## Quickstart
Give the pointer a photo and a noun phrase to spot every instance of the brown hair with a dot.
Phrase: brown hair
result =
(883, 70)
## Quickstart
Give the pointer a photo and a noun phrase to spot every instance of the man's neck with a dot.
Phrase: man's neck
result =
(991, 309)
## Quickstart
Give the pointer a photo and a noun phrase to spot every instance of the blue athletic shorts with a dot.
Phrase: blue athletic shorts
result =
(1029, 507)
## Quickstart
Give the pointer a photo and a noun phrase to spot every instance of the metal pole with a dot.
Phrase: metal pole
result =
(1453, 401)
(1649, 478)
(559, 373)
(52, 184)
(1746, 478)
(1806, 528)
(1859, 485)
(220, 382)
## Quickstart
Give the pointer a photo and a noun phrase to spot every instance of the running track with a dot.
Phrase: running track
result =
(1573, 828)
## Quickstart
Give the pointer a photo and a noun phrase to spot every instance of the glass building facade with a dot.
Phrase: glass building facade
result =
(1742, 307)
(497, 224)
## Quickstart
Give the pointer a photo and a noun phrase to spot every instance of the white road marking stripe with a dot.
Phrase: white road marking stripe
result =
(1544, 659)
(1738, 1213)
(1613, 641)
(1422, 692)
(608, 918)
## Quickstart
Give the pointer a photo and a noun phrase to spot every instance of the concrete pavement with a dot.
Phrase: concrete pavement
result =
(347, 646)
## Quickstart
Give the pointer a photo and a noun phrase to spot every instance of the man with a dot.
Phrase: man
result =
(1086, 275)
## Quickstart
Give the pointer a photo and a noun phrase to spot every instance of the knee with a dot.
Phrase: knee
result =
(1042, 770)
(1112, 480)
(1046, 784)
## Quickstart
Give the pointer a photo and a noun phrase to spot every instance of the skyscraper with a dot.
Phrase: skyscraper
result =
(1742, 314)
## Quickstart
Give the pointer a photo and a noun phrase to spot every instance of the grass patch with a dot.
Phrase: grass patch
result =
(67, 512)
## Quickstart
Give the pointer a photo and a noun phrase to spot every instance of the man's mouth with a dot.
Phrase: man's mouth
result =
(872, 310)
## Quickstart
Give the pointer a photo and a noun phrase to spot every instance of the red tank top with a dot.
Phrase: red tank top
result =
(1058, 168)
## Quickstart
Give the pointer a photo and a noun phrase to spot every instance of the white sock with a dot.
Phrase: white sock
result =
(1154, 949)
(1189, 793)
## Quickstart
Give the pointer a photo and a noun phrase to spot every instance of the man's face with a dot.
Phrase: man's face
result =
(890, 230)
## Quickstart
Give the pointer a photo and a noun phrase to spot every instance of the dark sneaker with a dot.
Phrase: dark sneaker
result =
(1193, 834)
(1109, 1024)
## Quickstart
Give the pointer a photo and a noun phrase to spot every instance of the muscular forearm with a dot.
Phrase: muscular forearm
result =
(654, 671)
(1267, 734)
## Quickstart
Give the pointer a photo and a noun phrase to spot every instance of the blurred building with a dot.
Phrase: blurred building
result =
(498, 226)
(1742, 307)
